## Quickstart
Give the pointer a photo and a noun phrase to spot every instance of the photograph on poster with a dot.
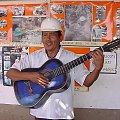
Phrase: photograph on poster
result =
(118, 23)
(98, 32)
(6, 65)
(101, 13)
(6, 81)
(57, 9)
(78, 22)
(3, 23)
(40, 10)
(118, 13)
(27, 29)
(3, 12)
(118, 33)
(7, 57)
(18, 10)
(3, 35)
(118, 27)
(104, 31)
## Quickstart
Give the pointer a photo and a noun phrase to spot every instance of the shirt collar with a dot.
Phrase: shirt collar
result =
(58, 54)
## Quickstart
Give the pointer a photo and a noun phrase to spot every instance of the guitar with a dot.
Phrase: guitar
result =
(32, 95)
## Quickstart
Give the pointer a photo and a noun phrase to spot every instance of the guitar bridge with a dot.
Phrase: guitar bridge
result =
(29, 88)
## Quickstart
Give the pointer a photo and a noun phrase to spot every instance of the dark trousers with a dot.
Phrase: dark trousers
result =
(51, 119)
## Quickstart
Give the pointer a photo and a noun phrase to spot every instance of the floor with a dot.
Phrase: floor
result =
(13, 112)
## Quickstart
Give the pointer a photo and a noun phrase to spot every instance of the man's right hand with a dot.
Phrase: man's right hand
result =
(39, 79)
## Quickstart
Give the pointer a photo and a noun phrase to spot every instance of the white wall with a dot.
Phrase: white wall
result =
(7, 95)
(104, 93)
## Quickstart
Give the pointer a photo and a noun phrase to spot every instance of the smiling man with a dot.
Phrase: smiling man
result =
(59, 105)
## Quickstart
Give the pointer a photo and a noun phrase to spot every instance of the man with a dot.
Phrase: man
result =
(59, 105)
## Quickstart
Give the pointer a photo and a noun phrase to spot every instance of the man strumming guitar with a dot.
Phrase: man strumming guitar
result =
(59, 105)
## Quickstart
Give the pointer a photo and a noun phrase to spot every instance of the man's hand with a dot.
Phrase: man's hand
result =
(98, 57)
(39, 79)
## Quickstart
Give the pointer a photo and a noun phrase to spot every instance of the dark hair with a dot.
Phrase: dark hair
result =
(59, 33)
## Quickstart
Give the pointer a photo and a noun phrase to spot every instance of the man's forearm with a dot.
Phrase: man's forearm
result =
(16, 75)
(91, 78)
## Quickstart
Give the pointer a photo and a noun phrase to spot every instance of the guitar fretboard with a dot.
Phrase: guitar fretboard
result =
(68, 66)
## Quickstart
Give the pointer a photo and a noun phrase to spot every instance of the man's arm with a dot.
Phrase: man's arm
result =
(98, 61)
(16, 75)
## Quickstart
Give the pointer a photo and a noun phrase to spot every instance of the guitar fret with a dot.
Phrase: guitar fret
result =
(59, 71)
(77, 62)
(69, 66)
(65, 67)
(88, 56)
(82, 59)
(56, 72)
(62, 68)
(74, 63)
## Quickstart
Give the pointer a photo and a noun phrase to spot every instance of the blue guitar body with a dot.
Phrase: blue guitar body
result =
(30, 94)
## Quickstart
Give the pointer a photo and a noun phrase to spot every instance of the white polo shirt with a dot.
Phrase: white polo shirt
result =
(59, 105)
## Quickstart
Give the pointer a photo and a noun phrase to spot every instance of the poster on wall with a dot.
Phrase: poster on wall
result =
(116, 17)
(81, 21)
(21, 22)
(110, 63)
(5, 24)
(85, 21)
(10, 55)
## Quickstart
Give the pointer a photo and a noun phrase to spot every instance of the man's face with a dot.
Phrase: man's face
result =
(51, 40)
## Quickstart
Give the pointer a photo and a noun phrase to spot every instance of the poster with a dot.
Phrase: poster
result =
(110, 63)
(81, 21)
(85, 21)
(10, 55)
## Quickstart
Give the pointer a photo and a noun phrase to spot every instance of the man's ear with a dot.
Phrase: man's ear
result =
(61, 38)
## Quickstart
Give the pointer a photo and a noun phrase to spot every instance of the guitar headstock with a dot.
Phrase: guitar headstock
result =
(110, 46)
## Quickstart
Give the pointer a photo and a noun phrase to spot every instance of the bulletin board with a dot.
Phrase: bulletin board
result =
(85, 24)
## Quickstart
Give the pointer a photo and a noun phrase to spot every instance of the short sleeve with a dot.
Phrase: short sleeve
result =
(80, 73)
(23, 63)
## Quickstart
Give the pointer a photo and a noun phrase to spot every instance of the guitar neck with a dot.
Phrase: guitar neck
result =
(68, 66)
